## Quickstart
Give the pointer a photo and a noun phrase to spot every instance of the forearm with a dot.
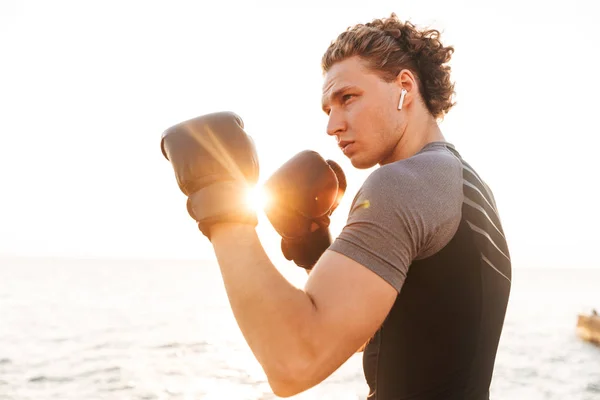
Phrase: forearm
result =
(275, 317)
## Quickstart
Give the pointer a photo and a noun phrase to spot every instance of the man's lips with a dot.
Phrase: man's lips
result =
(345, 145)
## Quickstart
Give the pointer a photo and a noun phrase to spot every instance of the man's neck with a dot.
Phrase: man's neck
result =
(416, 136)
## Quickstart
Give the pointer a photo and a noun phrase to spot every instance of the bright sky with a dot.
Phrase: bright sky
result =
(86, 89)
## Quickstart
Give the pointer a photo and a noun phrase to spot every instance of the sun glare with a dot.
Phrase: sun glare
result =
(257, 198)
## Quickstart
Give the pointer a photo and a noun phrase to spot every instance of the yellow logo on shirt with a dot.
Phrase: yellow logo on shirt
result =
(364, 204)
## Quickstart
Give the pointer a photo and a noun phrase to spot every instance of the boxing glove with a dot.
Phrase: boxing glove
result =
(304, 192)
(215, 164)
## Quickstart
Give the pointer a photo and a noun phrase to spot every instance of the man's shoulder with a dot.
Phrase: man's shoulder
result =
(435, 163)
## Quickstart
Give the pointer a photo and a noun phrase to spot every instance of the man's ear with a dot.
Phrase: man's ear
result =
(406, 80)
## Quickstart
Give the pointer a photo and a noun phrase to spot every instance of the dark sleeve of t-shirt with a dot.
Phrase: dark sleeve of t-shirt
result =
(404, 211)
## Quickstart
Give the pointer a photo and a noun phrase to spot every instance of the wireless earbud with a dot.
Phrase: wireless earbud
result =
(402, 94)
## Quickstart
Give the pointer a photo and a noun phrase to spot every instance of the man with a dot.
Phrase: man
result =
(421, 271)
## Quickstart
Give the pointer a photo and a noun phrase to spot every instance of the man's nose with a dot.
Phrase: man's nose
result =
(336, 124)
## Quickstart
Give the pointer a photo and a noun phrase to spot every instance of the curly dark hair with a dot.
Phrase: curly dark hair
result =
(389, 45)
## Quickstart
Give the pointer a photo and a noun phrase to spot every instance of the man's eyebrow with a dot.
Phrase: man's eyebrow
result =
(335, 95)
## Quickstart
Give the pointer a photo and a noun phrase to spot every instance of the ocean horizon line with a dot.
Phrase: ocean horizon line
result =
(133, 259)
(75, 257)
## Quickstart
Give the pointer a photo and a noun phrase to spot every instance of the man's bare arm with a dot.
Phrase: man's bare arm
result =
(273, 315)
(300, 337)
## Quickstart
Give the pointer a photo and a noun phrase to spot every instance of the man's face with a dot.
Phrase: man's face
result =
(362, 110)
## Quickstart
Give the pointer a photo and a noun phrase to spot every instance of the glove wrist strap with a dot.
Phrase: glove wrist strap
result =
(221, 202)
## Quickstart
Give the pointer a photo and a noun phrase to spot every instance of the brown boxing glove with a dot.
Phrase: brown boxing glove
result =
(304, 192)
(215, 163)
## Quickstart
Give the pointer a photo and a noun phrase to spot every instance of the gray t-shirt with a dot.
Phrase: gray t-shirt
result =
(404, 211)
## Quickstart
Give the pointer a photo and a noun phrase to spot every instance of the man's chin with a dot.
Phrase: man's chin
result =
(361, 163)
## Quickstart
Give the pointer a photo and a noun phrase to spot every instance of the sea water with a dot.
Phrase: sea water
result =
(99, 329)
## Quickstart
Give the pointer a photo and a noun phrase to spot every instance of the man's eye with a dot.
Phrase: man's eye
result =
(347, 97)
